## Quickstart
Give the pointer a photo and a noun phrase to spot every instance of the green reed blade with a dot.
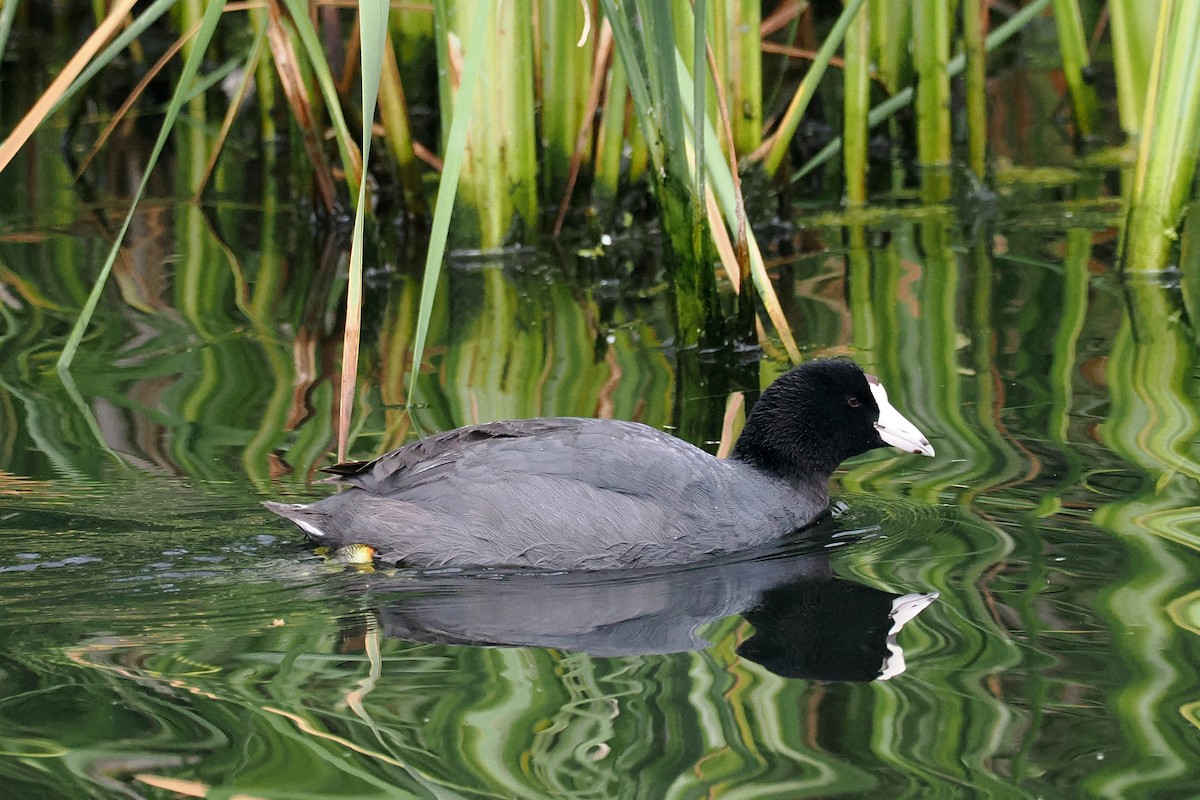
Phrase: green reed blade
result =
(212, 15)
(699, 100)
(373, 15)
(650, 61)
(659, 44)
(633, 60)
(456, 145)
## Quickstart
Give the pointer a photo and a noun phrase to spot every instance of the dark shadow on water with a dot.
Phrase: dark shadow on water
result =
(807, 622)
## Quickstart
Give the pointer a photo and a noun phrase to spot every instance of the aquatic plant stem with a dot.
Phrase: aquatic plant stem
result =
(601, 58)
(610, 140)
(902, 98)
(563, 80)
(856, 105)
(974, 13)
(931, 44)
(1167, 157)
(743, 78)
(726, 192)
(775, 146)
(455, 153)
(352, 163)
(394, 114)
(646, 45)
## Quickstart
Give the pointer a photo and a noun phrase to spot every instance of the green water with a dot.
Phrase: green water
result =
(159, 625)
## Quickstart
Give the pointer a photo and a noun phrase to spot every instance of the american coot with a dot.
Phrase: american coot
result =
(566, 493)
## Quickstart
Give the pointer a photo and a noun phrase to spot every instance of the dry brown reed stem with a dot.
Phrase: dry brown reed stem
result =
(799, 52)
(781, 16)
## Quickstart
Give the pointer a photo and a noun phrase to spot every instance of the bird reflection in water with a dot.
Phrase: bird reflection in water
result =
(807, 622)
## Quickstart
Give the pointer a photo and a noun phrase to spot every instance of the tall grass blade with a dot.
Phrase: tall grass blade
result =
(191, 68)
(741, 262)
(651, 63)
(295, 90)
(373, 15)
(456, 144)
(633, 62)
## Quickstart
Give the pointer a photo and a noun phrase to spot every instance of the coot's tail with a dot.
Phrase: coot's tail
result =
(301, 514)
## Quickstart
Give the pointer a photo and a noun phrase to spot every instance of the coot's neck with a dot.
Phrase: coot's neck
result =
(766, 459)
(772, 441)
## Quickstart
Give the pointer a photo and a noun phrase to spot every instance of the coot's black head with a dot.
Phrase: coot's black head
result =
(815, 416)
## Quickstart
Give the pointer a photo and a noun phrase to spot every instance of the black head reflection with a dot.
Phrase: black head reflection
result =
(831, 631)
(807, 623)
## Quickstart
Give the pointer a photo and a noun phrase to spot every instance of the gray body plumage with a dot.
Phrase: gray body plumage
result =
(560, 493)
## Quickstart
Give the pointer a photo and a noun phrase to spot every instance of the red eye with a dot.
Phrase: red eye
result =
(853, 401)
